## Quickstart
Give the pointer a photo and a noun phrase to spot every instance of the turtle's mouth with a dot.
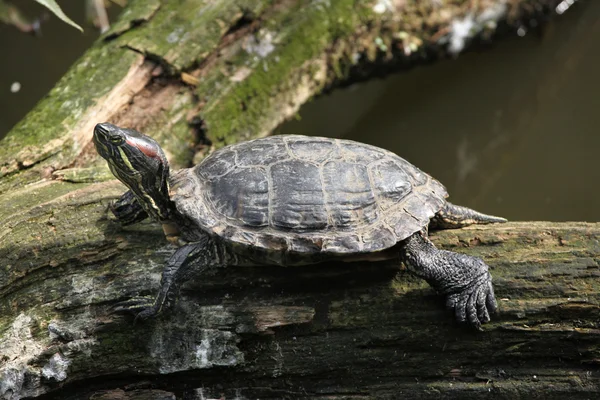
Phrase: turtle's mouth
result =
(101, 148)
(101, 140)
(102, 132)
(103, 128)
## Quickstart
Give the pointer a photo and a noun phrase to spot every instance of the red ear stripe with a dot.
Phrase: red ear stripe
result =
(145, 148)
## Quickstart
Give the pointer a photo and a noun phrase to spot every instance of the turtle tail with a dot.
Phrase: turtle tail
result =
(453, 216)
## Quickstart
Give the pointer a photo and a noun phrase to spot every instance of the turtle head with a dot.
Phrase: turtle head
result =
(138, 161)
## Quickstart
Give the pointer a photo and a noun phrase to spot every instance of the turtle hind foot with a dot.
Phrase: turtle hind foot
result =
(464, 280)
(474, 304)
(141, 307)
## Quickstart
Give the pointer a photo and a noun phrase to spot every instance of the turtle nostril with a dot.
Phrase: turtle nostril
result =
(103, 128)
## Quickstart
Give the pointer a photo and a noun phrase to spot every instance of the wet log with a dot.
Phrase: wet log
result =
(198, 75)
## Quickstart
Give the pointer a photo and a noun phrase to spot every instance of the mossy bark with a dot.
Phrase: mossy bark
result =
(198, 75)
(331, 331)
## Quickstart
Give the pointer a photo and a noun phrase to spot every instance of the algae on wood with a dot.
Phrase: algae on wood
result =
(200, 74)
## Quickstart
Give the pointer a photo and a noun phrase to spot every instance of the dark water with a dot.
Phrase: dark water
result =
(514, 130)
(38, 62)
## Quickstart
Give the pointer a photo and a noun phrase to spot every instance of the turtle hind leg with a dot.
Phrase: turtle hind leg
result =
(453, 216)
(463, 279)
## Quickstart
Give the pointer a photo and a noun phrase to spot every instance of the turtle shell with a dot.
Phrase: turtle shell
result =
(307, 195)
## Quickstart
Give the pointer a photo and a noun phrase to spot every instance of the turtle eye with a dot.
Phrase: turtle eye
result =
(116, 139)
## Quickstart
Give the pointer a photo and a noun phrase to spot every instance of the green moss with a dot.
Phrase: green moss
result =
(135, 13)
(44, 133)
(237, 109)
(32, 196)
(182, 34)
(84, 175)
(181, 138)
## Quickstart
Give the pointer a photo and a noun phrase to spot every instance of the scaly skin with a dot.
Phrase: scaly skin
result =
(453, 216)
(464, 280)
(128, 210)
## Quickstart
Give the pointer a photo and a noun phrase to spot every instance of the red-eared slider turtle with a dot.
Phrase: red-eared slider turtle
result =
(291, 200)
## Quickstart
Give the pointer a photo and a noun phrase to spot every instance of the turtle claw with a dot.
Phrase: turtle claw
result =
(147, 313)
(128, 210)
(142, 307)
(474, 304)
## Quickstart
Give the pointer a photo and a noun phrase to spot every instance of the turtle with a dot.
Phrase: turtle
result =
(289, 200)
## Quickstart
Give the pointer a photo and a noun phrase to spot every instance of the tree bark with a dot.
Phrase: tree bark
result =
(198, 75)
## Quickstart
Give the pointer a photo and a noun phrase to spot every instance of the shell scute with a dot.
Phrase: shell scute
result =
(298, 201)
(249, 202)
(303, 244)
(343, 244)
(386, 238)
(260, 153)
(392, 184)
(215, 165)
(271, 241)
(416, 207)
(359, 152)
(317, 151)
(416, 175)
(349, 195)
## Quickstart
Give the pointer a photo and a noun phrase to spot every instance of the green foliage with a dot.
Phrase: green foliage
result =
(56, 10)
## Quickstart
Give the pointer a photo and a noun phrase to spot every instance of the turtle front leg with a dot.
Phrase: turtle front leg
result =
(128, 210)
(464, 280)
(193, 258)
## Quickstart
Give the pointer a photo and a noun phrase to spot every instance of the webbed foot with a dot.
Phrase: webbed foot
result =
(464, 279)
(475, 303)
(128, 210)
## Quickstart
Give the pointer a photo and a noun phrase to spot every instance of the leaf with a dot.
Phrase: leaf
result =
(56, 10)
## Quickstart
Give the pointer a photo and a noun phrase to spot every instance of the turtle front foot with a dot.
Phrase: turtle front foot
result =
(475, 303)
(142, 307)
(128, 210)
